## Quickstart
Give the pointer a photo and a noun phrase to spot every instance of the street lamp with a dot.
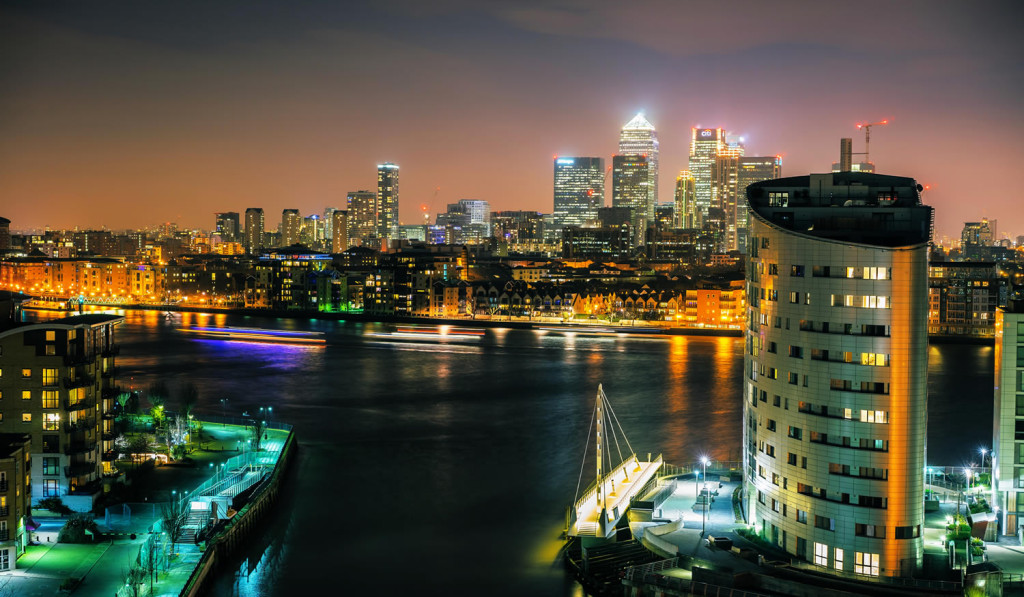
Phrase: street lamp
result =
(983, 452)
(704, 509)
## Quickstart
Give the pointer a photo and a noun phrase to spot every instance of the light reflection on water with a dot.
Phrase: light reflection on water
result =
(445, 468)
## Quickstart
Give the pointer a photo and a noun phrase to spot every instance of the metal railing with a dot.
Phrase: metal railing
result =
(642, 570)
(899, 581)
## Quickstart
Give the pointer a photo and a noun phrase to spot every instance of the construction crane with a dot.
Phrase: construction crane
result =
(867, 137)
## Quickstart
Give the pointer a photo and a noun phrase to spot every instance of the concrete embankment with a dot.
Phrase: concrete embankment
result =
(243, 524)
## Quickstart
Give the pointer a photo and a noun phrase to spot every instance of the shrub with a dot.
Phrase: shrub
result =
(54, 504)
(74, 530)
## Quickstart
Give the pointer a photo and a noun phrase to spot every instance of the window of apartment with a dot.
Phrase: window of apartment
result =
(821, 554)
(770, 451)
(794, 297)
(776, 505)
(49, 377)
(873, 416)
(796, 352)
(870, 530)
(821, 522)
(838, 561)
(794, 378)
(773, 347)
(51, 487)
(872, 501)
(26, 373)
(796, 432)
(51, 336)
(866, 563)
(776, 400)
(801, 516)
(875, 359)
(760, 497)
(796, 271)
(26, 417)
(50, 399)
(770, 425)
(801, 547)
(51, 466)
(775, 478)
(912, 532)
(51, 421)
(26, 394)
(791, 458)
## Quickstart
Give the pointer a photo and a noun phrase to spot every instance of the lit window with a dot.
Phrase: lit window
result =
(838, 562)
(866, 563)
(26, 394)
(50, 399)
(51, 421)
(51, 336)
(26, 417)
(821, 554)
(26, 373)
(49, 377)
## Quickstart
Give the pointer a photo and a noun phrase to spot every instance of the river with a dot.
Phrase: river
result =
(434, 468)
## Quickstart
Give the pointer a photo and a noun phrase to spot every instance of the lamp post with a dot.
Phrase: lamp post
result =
(704, 503)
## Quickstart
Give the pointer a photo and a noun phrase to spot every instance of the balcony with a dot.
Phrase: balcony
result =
(110, 456)
(5, 511)
(111, 351)
(80, 381)
(111, 372)
(111, 392)
(5, 535)
(79, 468)
(80, 405)
(73, 360)
(82, 424)
(76, 448)
(3, 485)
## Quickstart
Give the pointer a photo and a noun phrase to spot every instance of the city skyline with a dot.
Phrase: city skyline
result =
(170, 121)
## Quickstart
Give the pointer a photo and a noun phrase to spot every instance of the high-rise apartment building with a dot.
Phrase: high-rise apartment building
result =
(363, 219)
(687, 216)
(976, 235)
(638, 137)
(339, 231)
(835, 368)
(1008, 414)
(705, 146)
(227, 226)
(291, 227)
(387, 201)
(58, 385)
(579, 190)
(15, 500)
(253, 230)
(630, 185)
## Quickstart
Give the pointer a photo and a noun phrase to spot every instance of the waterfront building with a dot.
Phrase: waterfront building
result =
(687, 216)
(631, 189)
(226, 226)
(15, 468)
(705, 145)
(579, 190)
(254, 227)
(339, 230)
(836, 362)
(363, 216)
(604, 243)
(387, 202)
(963, 297)
(291, 227)
(1008, 414)
(58, 385)
(638, 137)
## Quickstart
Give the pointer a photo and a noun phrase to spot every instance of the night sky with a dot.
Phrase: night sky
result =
(129, 114)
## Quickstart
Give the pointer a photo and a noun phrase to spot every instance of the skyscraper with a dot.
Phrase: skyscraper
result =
(638, 137)
(253, 230)
(339, 230)
(362, 219)
(750, 170)
(291, 227)
(705, 146)
(630, 185)
(724, 192)
(1007, 442)
(387, 201)
(686, 213)
(227, 226)
(579, 190)
(835, 368)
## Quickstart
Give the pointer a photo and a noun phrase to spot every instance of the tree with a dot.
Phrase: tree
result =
(136, 447)
(189, 399)
(133, 577)
(54, 504)
(78, 527)
(256, 431)
(158, 393)
(174, 518)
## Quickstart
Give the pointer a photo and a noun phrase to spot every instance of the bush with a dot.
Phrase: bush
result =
(54, 504)
(74, 530)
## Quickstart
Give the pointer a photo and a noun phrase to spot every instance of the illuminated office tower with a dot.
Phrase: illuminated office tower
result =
(686, 214)
(705, 146)
(835, 369)
(630, 184)
(579, 190)
(750, 170)
(724, 193)
(291, 227)
(227, 226)
(638, 137)
(329, 221)
(387, 201)
(339, 230)
(312, 232)
(253, 230)
(362, 219)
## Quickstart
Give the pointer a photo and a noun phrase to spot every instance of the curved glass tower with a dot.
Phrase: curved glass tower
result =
(835, 369)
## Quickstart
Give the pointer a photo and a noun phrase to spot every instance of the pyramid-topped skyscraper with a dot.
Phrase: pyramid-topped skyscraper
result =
(638, 137)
